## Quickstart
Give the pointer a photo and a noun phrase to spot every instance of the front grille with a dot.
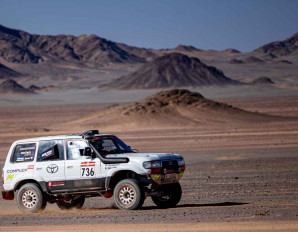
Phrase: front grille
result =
(170, 165)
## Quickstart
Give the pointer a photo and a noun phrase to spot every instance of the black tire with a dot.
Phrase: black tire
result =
(171, 195)
(31, 199)
(129, 195)
(72, 204)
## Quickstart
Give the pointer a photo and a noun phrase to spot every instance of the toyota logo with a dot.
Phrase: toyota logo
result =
(53, 168)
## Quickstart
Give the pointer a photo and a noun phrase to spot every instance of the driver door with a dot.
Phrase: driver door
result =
(82, 172)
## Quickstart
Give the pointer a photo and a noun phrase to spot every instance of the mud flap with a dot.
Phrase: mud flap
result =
(9, 195)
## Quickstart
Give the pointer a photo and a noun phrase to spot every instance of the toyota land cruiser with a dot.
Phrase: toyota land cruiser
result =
(67, 169)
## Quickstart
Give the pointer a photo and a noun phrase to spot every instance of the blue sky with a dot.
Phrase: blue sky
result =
(206, 24)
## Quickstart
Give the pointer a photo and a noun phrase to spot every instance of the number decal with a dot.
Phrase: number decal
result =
(87, 172)
(87, 169)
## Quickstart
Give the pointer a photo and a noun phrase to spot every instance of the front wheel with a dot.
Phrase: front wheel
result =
(75, 203)
(129, 195)
(31, 199)
(170, 195)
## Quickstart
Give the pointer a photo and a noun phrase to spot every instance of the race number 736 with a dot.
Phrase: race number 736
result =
(87, 171)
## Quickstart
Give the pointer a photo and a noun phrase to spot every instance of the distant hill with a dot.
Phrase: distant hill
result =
(262, 81)
(281, 48)
(230, 51)
(21, 47)
(6, 72)
(177, 107)
(11, 86)
(252, 59)
(186, 48)
(173, 70)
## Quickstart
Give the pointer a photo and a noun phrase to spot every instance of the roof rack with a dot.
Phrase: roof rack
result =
(89, 134)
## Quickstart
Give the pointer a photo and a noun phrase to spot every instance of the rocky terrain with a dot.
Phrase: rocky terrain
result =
(21, 47)
(6, 72)
(173, 70)
(11, 86)
(281, 48)
(262, 81)
(87, 61)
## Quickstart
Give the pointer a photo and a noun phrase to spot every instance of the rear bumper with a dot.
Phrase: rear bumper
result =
(8, 195)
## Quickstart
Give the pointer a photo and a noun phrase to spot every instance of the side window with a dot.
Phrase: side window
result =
(76, 149)
(24, 153)
(50, 150)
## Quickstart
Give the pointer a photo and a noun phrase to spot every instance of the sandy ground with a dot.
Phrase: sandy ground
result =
(237, 178)
(163, 227)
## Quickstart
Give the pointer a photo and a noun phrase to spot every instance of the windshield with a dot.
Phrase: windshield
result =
(110, 145)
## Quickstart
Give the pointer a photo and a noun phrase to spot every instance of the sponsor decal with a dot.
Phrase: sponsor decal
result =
(20, 159)
(9, 177)
(110, 166)
(17, 170)
(46, 154)
(155, 177)
(56, 183)
(53, 168)
(26, 153)
(26, 148)
(30, 166)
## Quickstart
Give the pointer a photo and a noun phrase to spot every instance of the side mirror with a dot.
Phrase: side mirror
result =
(87, 151)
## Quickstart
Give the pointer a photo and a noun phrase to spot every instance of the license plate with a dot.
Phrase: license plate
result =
(170, 176)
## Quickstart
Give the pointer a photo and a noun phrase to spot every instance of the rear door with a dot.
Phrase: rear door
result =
(82, 172)
(50, 165)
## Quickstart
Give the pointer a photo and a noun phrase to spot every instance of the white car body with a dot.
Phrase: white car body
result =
(84, 175)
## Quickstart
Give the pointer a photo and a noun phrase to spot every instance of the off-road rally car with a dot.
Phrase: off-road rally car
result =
(67, 169)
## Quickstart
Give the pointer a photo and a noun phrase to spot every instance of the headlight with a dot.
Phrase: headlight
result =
(181, 162)
(152, 164)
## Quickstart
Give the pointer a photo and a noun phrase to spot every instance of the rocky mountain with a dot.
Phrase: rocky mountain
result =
(22, 47)
(11, 86)
(281, 48)
(173, 70)
(6, 72)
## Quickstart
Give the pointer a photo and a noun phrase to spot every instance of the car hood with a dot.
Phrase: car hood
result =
(149, 156)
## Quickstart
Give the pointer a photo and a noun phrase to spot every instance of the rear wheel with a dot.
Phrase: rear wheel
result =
(170, 195)
(31, 199)
(75, 203)
(129, 195)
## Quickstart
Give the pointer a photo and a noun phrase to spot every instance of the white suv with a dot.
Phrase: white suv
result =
(67, 169)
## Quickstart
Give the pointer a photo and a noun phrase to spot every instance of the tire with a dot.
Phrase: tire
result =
(31, 199)
(73, 204)
(171, 195)
(128, 195)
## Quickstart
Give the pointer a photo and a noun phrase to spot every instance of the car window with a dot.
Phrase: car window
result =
(75, 150)
(24, 153)
(50, 150)
(108, 145)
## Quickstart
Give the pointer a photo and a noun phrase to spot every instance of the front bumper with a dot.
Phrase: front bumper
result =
(166, 178)
(8, 195)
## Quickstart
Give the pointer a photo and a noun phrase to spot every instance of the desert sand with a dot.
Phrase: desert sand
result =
(240, 176)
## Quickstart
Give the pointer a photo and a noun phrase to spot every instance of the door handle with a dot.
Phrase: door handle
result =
(70, 166)
(38, 169)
